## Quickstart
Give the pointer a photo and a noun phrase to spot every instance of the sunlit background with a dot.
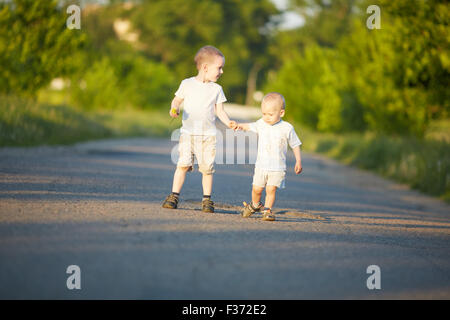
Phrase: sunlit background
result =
(374, 98)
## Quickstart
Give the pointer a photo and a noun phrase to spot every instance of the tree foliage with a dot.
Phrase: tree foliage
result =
(392, 80)
(173, 31)
(35, 45)
(336, 74)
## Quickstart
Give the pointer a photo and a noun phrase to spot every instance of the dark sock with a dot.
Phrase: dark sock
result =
(206, 197)
(176, 194)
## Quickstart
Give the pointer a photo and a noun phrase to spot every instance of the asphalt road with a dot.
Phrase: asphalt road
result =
(97, 205)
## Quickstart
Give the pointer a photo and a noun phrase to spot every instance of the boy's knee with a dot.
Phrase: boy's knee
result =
(271, 189)
(184, 168)
(206, 169)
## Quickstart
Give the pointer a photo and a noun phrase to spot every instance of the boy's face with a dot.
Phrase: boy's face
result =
(214, 69)
(272, 112)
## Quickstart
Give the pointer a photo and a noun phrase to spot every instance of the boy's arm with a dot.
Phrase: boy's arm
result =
(298, 157)
(223, 116)
(175, 107)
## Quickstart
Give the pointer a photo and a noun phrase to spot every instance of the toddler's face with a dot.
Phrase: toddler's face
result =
(272, 112)
(215, 69)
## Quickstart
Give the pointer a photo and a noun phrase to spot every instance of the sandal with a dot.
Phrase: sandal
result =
(249, 209)
(268, 215)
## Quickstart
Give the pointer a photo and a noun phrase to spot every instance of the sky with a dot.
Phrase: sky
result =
(291, 19)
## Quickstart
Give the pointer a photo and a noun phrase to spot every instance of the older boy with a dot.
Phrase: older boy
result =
(202, 97)
(270, 168)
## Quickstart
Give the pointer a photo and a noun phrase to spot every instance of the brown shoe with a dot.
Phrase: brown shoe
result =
(207, 206)
(171, 202)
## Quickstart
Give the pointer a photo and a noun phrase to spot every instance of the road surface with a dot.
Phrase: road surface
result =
(97, 205)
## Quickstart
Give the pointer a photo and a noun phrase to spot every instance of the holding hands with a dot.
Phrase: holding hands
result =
(233, 125)
(240, 126)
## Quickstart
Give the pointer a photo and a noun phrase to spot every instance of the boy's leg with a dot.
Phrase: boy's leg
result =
(205, 151)
(184, 165)
(207, 183)
(171, 201)
(207, 204)
(178, 178)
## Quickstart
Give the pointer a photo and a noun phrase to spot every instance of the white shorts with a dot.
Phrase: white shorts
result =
(263, 178)
(202, 147)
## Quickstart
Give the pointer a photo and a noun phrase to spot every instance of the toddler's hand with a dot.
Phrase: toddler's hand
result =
(298, 167)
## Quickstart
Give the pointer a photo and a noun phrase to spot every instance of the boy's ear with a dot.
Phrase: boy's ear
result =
(282, 113)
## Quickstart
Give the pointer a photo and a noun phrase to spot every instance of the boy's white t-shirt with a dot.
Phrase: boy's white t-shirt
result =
(272, 144)
(199, 102)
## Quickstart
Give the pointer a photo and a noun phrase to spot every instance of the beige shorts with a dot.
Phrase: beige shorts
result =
(202, 147)
(263, 178)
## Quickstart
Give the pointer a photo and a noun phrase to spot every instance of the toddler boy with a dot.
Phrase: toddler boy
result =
(274, 135)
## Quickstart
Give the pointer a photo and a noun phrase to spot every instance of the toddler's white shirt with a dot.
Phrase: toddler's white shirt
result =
(200, 99)
(272, 144)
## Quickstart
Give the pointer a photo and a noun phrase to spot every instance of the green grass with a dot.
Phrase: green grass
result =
(423, 164)
(27, 123)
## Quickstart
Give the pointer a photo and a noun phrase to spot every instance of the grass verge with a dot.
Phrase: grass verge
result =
(423, 164)
(27, 123)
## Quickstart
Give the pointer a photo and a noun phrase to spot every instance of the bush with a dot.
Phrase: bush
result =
(115, 83)
(98, 88)
(422, 164)
(148, 85)
(310, 85)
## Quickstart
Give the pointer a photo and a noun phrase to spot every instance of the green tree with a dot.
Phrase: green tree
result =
(35, 45)
(325, 21)
(422, 46)
(401, 72)
(172, 31)
(392, 80)
(311, 87)
(98, 88)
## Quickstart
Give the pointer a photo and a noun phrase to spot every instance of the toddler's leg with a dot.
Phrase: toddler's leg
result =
(270, 200)
(270, 196)
(256, 195)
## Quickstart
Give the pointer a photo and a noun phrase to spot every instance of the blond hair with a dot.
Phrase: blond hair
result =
(275, 97)
(205, 54)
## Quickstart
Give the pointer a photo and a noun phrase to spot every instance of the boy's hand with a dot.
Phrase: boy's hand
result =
(233, 125)
(298, 167)
(174, 112)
